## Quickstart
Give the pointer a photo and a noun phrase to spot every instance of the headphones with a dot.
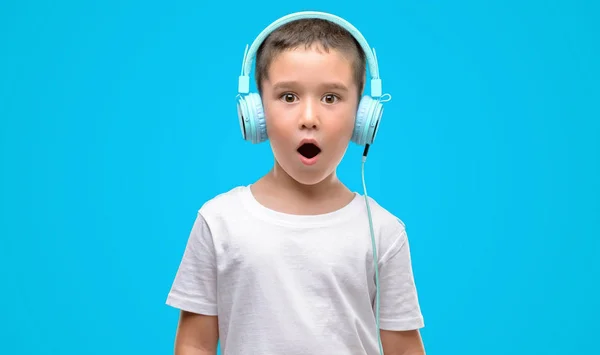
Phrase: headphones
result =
(250, 110)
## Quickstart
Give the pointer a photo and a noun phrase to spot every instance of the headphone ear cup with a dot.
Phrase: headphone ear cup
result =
(368, 117)
(252, 118)
(243, 117)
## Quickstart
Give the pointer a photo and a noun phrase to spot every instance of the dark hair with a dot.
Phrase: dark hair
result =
(306, 32)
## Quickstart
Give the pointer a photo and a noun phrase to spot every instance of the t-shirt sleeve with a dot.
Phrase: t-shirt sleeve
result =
(399, 304)
(195, 286)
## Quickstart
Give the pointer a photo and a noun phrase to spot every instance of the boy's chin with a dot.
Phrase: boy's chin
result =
(310, 176)
(311, 180)
(307, 174)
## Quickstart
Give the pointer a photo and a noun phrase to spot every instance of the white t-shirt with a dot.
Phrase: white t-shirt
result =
(285, 284)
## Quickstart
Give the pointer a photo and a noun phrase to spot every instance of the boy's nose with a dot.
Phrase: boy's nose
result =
(309, 117)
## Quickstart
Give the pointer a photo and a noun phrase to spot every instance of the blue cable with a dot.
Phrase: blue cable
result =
(364, 159)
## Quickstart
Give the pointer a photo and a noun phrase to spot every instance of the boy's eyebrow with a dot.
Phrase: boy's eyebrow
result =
(290, 84)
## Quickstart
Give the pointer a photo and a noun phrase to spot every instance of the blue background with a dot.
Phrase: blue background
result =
(118, 121)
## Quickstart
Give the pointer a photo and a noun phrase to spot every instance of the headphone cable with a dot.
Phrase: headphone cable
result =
(374, 246)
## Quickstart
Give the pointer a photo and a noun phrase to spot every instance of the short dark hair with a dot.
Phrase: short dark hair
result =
(306, 32)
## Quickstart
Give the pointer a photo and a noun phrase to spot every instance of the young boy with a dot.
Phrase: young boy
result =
(285, 265)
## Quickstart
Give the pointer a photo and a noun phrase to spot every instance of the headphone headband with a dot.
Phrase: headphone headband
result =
(250, 53)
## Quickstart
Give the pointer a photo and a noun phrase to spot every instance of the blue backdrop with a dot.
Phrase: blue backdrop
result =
(118, 121)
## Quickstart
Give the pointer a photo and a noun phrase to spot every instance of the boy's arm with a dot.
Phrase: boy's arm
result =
(406, 342)
(194, 293)
(197, 334)
(400, 313)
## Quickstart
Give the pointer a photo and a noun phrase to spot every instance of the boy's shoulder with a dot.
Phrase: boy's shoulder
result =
(386, 222)
(225, 202)
(385, 214)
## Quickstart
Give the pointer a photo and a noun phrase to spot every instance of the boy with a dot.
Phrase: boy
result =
(285, 266)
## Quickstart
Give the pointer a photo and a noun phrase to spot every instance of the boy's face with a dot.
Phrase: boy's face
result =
(310, 94)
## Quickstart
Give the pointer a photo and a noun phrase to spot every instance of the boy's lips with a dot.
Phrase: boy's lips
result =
(308, 151)
(308, 141)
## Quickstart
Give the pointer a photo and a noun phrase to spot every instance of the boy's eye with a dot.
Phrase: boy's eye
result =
(330, 99)
(288, 97)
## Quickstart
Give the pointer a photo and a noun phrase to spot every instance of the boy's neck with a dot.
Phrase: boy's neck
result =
(279, 191)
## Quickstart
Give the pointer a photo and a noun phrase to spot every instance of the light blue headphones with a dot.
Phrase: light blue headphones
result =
(250, 111)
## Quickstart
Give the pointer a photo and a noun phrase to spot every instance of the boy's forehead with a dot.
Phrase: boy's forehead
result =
(327, 65)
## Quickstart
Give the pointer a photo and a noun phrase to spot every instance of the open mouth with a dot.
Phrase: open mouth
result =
(309, 150)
